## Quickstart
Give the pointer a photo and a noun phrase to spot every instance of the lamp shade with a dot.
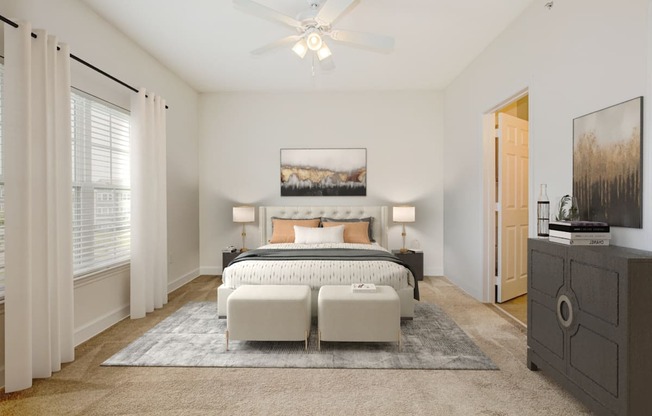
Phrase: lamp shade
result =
(314, 41)
(324, 52)
(300, 48)
(403, 214)
(244, 214)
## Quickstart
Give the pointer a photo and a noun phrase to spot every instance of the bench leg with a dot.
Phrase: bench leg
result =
(318, 340)
(399, 340)
(306, 338)
(227, 339)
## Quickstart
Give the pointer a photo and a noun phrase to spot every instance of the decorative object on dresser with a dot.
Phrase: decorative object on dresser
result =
(567, 209)
(413, 260)
(588, 323)
(608, 164)
(323, 172)
(244, 214)
(402, 215)
(580, 233)
(543, 211)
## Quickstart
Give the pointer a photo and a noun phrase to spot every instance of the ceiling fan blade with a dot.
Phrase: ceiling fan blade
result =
(332, 10)
(265, 12)
(288, 40)
(378, 43)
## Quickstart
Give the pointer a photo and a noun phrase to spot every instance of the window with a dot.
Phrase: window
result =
(101, 186)
(101, 193)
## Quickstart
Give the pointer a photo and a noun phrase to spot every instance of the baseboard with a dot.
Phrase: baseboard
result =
(104, 322)
(211, 270)
(434, 272)
(100, 324)
(465, 289)
(177, 283)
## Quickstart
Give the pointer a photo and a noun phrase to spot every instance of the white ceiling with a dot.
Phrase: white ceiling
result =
(207, 42)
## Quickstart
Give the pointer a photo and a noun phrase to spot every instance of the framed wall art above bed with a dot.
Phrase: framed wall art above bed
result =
(323, 172)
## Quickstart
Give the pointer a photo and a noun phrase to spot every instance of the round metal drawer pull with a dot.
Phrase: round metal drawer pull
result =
(564, 307)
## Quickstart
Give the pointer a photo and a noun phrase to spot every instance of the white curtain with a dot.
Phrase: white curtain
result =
(149, 271)
(38, 207)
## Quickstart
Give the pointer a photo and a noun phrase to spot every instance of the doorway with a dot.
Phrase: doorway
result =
(507, 167)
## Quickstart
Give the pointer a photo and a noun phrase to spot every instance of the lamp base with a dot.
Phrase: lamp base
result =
(404, 250)
(243, 249)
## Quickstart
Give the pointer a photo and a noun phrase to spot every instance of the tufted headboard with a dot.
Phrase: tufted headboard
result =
(341, 212)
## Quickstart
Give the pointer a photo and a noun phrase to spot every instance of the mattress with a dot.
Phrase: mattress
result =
(317, 273)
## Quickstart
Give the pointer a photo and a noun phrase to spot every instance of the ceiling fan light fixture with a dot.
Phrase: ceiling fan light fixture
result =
(300, 48)
(324, 52)
(314, 41)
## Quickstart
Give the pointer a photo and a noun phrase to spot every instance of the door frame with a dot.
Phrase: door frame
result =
(489, 192)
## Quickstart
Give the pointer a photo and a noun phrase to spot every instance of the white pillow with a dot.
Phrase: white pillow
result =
(311, 235)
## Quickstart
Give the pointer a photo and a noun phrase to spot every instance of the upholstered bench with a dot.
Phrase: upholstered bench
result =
(345, 315)
(269, 313)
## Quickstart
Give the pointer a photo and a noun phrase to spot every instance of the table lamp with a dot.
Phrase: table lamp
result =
(402, 215)
(244, 214)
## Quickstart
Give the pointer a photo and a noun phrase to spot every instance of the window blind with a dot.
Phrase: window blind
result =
(101, 186)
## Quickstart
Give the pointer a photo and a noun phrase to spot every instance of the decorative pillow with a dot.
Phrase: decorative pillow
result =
(370, 220)
(309, 235)
(283, 228)
(354, 232)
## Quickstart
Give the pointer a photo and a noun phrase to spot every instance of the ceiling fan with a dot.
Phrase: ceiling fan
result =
(313, 27)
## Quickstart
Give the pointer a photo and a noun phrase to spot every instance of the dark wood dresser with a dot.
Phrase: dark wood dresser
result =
(590, 323)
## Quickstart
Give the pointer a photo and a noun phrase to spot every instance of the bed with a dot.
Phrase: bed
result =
(368, 263)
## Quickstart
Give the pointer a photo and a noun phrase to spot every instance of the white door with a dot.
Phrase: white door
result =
(513, 203)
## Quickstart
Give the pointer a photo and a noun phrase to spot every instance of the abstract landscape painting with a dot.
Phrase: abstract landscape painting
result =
(607, 164)
(323, 172)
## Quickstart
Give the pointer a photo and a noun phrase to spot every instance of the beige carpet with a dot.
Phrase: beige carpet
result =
(86, 388)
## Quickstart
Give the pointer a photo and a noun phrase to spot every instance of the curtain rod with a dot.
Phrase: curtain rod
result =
(78, 59)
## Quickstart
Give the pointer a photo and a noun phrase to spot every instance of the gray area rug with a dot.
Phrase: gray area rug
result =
(194, 337)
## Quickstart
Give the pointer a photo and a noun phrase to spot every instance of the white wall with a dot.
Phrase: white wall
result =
(102, 301)
(581, 56)
(241, 135)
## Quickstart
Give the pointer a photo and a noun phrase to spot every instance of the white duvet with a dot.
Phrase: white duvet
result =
(317, 273)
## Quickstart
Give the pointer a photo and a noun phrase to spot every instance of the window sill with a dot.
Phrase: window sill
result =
(96, 276)
(88, 279)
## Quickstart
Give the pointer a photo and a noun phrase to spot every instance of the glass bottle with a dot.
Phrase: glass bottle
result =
(543, 211)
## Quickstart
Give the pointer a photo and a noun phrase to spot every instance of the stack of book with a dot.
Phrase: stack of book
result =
(580, 233)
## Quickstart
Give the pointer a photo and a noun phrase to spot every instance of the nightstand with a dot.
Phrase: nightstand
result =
(227, 257)
(414, 260)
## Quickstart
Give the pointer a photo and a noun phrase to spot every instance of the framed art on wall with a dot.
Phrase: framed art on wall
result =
(323, 172)
(608, 164)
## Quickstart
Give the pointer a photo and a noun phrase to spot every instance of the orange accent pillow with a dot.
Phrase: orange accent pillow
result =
(283, 229)
(354, 232)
